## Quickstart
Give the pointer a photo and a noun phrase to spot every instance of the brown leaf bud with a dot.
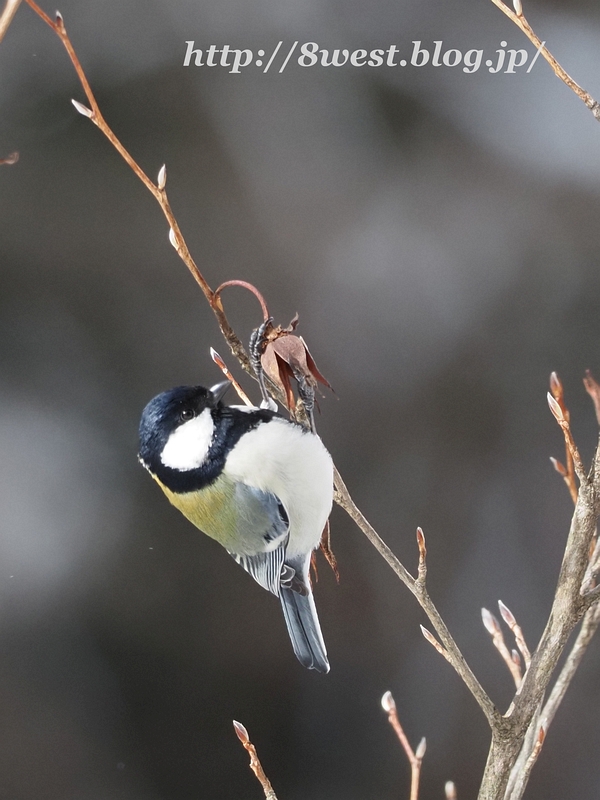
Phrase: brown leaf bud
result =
(556, 386)
(241, 732)
(555, 408)
(559, 467)
(84, 110)
(388, 703)
(450, 790)
(507, 614)
(490, 622)
(433, 641)
(162, 177)
(541, 735)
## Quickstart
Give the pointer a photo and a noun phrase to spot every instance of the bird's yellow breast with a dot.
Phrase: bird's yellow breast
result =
(211, 509)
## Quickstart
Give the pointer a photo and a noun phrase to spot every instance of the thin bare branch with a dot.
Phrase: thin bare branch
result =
(7, 16)
(563, 420)
(522, 23)
(515, 786)
(422, 569)
(157, 190)
(226, 371)
(415, 758)
(522, 775)
(568, 471)
(454, 655)
(255, 764)
(589, 626)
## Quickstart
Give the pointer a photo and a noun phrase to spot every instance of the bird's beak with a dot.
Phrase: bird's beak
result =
(218, 391)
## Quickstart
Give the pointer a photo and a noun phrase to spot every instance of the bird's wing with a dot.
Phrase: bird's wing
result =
(264, 527)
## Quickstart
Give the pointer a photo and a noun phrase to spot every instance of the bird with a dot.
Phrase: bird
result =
(259, 484)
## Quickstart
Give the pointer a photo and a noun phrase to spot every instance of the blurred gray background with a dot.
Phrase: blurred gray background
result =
(436, 231)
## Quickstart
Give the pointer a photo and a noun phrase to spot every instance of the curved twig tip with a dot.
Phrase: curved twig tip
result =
(250, 288)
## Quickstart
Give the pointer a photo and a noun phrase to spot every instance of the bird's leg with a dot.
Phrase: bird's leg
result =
(306, 392)
(257, 347)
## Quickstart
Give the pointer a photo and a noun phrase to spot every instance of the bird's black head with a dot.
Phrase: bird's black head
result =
(168, 411)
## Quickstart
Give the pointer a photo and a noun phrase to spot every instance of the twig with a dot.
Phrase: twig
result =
(422, 569)
(515, 628)
(255, 764)
(428, 635)
(589, 626)
(419, 590)
(567, 472)
(522, 776)
(515, 786)
(492, 626)
(415, 758)
(563, 420)
(225, 370)
(567, 609)
(7, 16)
(158, 190)
(591, 620)
(522, 23)
(250, 288)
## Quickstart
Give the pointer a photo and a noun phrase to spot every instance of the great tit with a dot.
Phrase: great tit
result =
(260, 485)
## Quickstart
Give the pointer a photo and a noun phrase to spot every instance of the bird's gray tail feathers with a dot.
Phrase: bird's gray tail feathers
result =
(303, 627)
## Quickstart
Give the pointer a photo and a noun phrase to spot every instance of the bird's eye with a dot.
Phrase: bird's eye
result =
(186, 414)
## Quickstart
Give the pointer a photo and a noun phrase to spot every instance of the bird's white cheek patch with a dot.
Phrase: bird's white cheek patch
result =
(187, 447)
